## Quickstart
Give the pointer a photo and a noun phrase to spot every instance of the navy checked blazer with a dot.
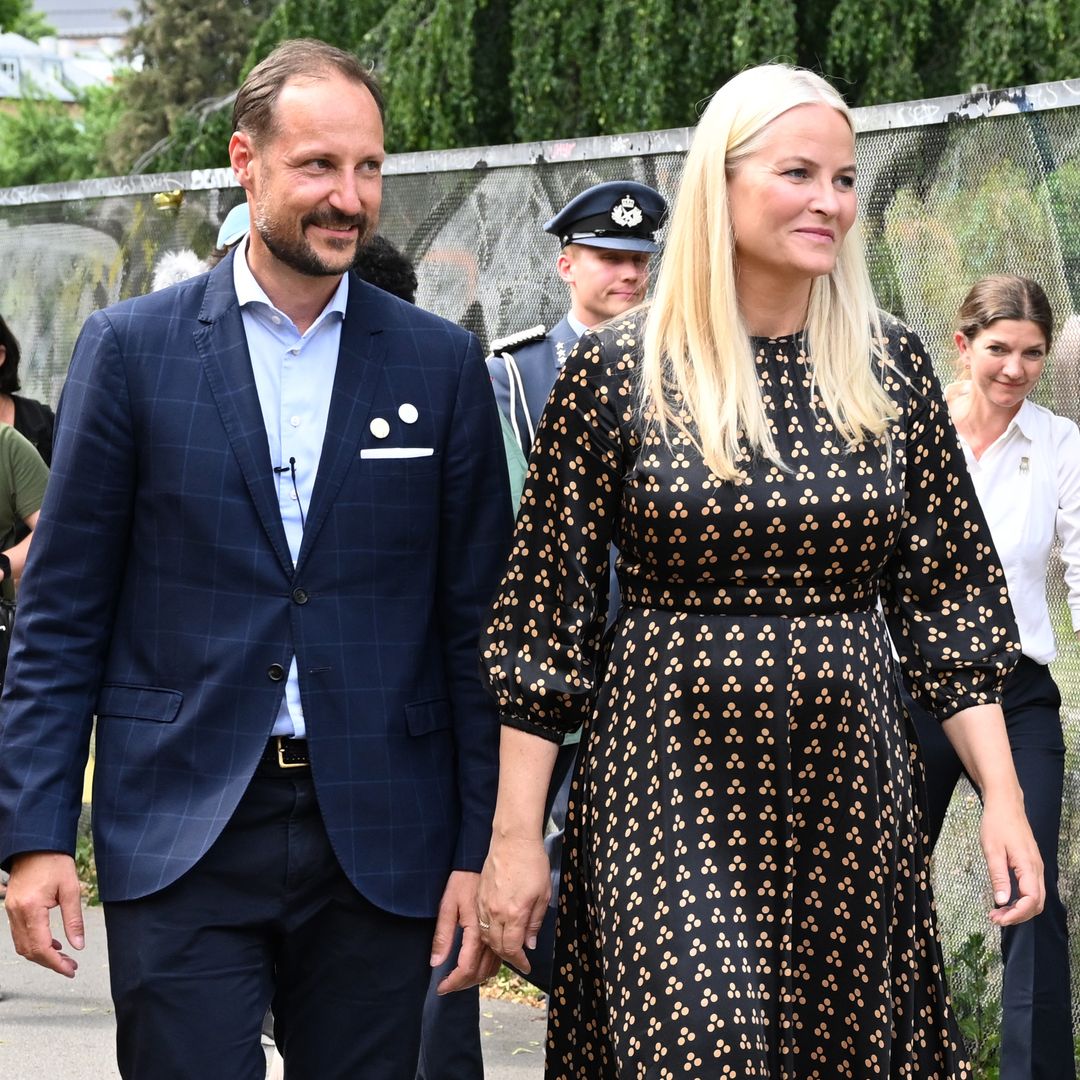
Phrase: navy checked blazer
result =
(160, 595)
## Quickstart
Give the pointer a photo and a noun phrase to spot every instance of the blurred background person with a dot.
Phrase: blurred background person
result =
(234, 227)
(607, 236)
(1025, 464)
(32, 419)
(380, 264)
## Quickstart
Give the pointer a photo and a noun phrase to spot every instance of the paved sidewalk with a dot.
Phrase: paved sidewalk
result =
(53, 1028)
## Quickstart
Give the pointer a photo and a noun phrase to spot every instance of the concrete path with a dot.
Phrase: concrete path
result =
(53, 1028)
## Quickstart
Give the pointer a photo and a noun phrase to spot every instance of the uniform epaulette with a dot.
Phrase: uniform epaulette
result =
(522, 337)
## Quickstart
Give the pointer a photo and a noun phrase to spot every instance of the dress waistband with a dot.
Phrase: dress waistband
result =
(785, 601)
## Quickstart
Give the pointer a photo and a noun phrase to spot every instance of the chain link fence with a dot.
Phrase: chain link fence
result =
(951, 189)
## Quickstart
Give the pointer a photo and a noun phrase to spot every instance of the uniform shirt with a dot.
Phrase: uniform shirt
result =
(294, 376)
(1028, 483)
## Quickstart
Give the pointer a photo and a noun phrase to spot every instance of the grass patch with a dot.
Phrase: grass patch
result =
(87, 869)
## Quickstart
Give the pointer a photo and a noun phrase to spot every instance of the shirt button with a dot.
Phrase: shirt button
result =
(276, 672)
(293, 496)
(275, 319)
(294, 420)
(294, 350)
(299, 596)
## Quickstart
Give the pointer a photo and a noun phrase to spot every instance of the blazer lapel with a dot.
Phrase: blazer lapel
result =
(361, 356)
(222, 346)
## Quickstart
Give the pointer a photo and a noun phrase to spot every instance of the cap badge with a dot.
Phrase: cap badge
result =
(626, 213)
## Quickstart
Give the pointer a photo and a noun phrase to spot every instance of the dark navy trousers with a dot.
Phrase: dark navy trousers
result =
(267, 917)
(451, 1040)
(1036, 1029)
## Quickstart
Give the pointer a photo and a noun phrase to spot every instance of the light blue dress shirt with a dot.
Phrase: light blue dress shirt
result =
(294, 376)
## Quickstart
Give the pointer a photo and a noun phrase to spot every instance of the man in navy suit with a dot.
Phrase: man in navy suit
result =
(276, 516)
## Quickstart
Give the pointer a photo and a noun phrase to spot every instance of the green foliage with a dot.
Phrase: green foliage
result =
(197, 139)
(614, 67)
(983, 214)
(340, 22)
(553, 42)
(873, 49)
(44, 141)
(86, 868)
(976, 1005)
(19, 17)
(192, 52)
(476, 72)
(438, 60)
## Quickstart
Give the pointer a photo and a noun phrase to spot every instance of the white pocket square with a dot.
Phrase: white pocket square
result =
(397, 451)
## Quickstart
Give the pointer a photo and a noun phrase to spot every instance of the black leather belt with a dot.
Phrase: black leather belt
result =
(283, 752)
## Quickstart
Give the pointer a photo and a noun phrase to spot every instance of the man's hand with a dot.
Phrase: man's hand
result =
(40, 881)
(476, 962)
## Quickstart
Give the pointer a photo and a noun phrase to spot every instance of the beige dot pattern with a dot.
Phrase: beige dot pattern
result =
(745, 889)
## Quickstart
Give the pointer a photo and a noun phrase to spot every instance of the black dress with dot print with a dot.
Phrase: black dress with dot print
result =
(745, 889)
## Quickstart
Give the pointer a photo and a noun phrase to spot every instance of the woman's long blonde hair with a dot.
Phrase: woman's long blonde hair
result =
(698, 371)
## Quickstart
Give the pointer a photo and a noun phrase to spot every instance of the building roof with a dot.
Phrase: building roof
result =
(84, 18)
(29, 70)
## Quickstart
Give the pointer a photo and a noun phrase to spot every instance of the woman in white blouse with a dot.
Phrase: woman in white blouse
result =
(1025, 462)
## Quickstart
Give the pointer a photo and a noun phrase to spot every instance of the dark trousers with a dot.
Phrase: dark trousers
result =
(451, 1042)
(267, 918)
(1036, 1028)
(450, 1045)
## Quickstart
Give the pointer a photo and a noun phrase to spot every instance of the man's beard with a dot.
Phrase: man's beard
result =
(300, 256)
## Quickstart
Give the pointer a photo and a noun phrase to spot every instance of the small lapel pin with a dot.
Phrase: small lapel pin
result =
(379, 428)
(1025, 465)
(408, 413)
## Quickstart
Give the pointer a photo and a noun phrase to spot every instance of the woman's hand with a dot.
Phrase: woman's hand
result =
(1008, 844)
(515, 887)
(979, 738)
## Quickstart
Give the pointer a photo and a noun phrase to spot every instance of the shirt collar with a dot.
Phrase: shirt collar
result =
(579, 328)
(249, 291)
(1025, 419)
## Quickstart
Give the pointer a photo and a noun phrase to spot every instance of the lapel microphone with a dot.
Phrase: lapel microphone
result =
(291, 470)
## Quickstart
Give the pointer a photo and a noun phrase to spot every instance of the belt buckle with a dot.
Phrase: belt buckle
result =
(281, 740)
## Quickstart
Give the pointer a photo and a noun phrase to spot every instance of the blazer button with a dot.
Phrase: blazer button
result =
(276, 672)
(299, 596)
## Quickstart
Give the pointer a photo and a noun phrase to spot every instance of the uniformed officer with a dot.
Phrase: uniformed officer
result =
(607, 234)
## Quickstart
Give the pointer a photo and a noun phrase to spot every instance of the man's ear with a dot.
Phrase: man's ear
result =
(242, 158)
(3, 354)
(564, 264)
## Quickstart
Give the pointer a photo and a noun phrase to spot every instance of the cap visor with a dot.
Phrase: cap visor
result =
(618, 243)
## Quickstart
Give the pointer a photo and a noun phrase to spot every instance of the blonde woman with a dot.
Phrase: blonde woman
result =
(745, 891)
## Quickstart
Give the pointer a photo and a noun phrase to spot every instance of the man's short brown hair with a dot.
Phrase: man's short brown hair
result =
(253, 110)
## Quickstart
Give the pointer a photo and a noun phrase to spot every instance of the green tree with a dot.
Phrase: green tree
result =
(45, 141)
(475, 72)
(19, 17)
(439, 63)
(343, 23)
(876, 49)
(552, 48)
(192, 53)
